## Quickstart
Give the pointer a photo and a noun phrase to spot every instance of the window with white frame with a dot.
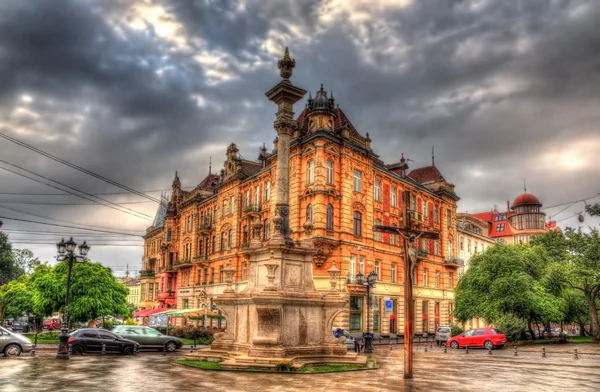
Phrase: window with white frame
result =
(394, 273)
(330, 172)
(246, 198)
(377, 270)
(424, 207)
(357, 181)
(437, 278)
(267, 190)
(244, 271)
(231, 204)
(436, 247)
(393, 196)
(377, 233)
(310, 172)
(352, 267)
(449, 249)
(224, 209)
(425, 271)
(256, 196)
(361, 265)
(413, 202)
(309, 213)
(378, 190)
(436, 214)
(329, 222)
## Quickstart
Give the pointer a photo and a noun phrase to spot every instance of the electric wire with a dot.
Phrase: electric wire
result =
(69, 227)
(96, 193)
(112, 205)
(76, 167)
(67, 204)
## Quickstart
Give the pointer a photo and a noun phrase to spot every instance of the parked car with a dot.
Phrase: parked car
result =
(52, 324)
(148, 337)
(442, 335)
(22, 326)
(479, 337)
(350, 341)
(13, 344)
(90, 340)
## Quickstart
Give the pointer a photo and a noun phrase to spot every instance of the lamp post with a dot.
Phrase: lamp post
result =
(369, 284)
(66, 251)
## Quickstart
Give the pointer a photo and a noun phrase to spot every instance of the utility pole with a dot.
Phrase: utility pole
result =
(410, 236)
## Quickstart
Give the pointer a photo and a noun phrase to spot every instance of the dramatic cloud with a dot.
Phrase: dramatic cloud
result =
(134, 90)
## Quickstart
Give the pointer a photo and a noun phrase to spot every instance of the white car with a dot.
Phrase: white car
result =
(13, 344)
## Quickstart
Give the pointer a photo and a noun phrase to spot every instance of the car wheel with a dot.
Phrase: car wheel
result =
(128, 350)
(77, 350)
(488, 345)
(454, 345)
(12, 350)
(171, 346)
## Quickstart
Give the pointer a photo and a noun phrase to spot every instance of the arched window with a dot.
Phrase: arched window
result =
(266, 230)
(310, 173)
(230, 239)
(309, 213)
(357, 223)
(377, 233)
(169, 234)
(329, 223)
(222, 241)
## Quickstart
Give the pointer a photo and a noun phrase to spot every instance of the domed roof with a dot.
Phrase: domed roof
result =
(321, 101)
(526, 199)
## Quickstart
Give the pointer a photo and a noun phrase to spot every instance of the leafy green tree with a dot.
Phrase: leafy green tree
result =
(15, 299)
(507, 279)
(25, 260)
(9, 270)
(593, 209)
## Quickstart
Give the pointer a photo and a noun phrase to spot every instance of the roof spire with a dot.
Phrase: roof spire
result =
(524, 186)
(432, 157)
(286, 65)
(127, 271)
(209, 166)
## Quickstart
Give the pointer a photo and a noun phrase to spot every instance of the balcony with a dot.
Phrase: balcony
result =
(454, 262)
(182, 264)
(252, 210)
(201, 259)
(205, 227)
(166, 295)
(147, 274)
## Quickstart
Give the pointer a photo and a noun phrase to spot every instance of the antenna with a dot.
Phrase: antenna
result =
(524, 185)
(209, 166)
(432, 157)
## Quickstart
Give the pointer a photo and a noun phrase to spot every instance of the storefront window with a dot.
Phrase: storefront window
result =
(356, 313)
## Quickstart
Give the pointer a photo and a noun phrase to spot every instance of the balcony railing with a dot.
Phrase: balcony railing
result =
(252, 209)
(456, 262)
(205, 227)
(201, 258)
(182, 263)
(147, 273)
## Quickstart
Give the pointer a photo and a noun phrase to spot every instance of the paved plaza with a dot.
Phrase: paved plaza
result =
(434, 370)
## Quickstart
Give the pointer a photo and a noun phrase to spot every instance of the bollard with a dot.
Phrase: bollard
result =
(425, 347)
(543, 352)
(516, 351)
(490, 351)
(33, 351)
(103, 349)
(466, 349)
(575, 355)
(445, 350)
(136, 350)
(165, 349)
(70, 349)
(390, 346)
(430, 345)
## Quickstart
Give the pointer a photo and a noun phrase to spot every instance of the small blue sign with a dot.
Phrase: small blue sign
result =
(388, 304)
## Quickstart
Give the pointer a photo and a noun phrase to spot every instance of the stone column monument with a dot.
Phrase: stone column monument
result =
(280, 316)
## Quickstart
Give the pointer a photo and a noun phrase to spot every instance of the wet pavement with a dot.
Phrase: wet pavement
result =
(434, 370)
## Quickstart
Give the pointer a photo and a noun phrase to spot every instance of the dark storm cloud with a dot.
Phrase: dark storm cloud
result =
(504, 90)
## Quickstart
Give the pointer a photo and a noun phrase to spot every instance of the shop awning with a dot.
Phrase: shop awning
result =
(148, 312)
(189, 313)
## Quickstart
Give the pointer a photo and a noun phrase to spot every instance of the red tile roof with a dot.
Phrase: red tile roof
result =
(426, 174)
(209, 182)
(340, 120)
(525, 199)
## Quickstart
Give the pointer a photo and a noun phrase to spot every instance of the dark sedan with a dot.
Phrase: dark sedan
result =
(91, 340)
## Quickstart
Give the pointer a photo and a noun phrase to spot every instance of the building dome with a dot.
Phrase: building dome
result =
(321, 101)
(526, 199)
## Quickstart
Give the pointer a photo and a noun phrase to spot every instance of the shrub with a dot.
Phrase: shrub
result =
(284, 367)
(455, 330)
(130, 321)
(107, 324)
(512, 326)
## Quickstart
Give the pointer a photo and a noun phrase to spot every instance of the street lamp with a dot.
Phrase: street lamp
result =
(66, 252)
(369, 284)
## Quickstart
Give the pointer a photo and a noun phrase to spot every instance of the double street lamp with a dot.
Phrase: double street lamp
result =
(66, 251)
(369, 284)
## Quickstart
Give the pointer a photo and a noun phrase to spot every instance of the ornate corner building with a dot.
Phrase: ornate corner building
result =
(336, 183)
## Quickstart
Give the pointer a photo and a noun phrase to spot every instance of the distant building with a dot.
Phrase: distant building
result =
(523, 220)
(473, 237)
(134, 287)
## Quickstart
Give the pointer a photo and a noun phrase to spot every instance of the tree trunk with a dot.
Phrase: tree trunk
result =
(530, 328)
(595, 327)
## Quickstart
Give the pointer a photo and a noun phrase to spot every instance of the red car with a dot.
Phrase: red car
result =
(479, 337)
(52, 324)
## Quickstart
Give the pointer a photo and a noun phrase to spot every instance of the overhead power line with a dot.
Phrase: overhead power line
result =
(111, 204)
(51, 243)
(81, 169)
(67, 204)
(69, 227)
(95, 193)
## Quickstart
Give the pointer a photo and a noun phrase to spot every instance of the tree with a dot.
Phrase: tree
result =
(9, 270)
(507, 279)
(25, 260)
(15, 299)
(593, 209)
(94, 291)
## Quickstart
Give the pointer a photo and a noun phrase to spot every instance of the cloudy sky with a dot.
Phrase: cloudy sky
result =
(134, 90)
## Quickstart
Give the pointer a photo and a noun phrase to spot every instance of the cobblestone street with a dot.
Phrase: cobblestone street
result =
(434, 370)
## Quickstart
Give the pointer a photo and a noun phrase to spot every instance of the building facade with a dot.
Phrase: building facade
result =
(337, 183)
(133, 286)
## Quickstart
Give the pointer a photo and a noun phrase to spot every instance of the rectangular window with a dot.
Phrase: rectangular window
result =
(267, 190)
(357, 181)
(189, 223)
(436, 247)
(257, 196)
(352, 267)
(413, 202)
(448, 218)
(424, 208)
(329, 172)
(462, 243)
(221, 274)
(500, 227)
(450, 249)
(215, 214)
(393, 272)
(186, 304)
(231, 204)
(224, 209)
(310, 178)
(361, 265)
(377, 233)
(378, 190)
(450, 279)
(425, 271)
(244, 271)
(246, 199)
(377, 269)
(437, 278)
(425, 315)
(469, 246)
(436, 214)
(355, 313)
(393, 196)
(151, 292)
